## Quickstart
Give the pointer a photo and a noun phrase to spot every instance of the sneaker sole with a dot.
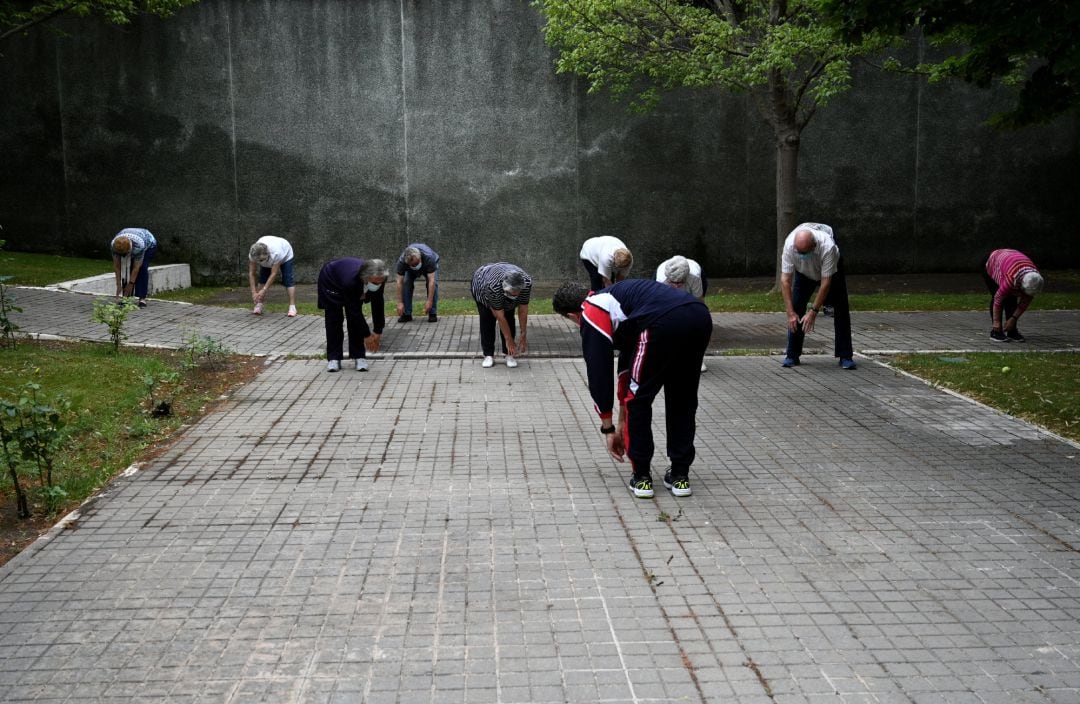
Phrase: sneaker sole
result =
(678, 492)
(640, 494)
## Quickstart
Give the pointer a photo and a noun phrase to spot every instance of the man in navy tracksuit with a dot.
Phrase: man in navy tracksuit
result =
(661, 334)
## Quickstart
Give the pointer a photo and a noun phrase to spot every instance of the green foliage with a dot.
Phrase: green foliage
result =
(31, 433)
(113, 314)
(640, 46)
(18, 17)
(203, 350)
(7, 306)
(1031, 46)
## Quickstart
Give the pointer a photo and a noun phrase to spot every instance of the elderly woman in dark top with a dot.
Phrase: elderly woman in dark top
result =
(344, 286)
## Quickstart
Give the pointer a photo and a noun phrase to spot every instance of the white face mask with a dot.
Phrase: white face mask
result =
(418, 264)
(372, 287)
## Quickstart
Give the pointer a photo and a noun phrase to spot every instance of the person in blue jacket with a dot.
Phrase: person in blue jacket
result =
(345, 285)
(661, 334)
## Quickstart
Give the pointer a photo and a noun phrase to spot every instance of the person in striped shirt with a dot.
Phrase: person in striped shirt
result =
(498, 290)
(1014, 281)
(132, 249)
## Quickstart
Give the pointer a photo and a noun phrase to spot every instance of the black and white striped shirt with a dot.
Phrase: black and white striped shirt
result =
(487, 286)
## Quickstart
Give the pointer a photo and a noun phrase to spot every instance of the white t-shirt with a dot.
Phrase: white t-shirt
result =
(693, 281)
(601, 251)
(279, 249)
(822, 262)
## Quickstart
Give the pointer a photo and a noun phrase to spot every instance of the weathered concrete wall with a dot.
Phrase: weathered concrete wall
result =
(356, 127)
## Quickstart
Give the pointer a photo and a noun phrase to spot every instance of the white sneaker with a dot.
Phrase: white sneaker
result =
(333, 366)
(510, 361)
(361, 365)
(292, 312)
(257, 310)
(488, 362)
(703, 367)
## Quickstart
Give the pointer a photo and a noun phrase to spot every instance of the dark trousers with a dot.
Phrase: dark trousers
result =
(668, 356)
(335, 316)
(1008, 304)
(142, 279)
(802, 289)
(596, 281)
(408, 283)
(488, 323)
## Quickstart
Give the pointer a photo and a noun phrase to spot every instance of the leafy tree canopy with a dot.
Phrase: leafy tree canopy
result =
(17, 16)
(1033, 45)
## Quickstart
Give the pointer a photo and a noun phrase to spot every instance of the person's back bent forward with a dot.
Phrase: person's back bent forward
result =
(661, 334)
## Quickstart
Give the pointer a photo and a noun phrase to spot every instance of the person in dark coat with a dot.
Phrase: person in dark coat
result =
(345, 285)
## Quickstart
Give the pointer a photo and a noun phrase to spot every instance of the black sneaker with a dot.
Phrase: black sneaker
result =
(432, 318)
(677, 487)
(998, 336)
(1015, 336)
(641, 487)
(405, 319)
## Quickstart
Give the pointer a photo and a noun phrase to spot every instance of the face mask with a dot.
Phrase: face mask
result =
(805, 256)
(418, 265)
(373, 287)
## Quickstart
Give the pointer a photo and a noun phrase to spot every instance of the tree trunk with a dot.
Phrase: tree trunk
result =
(787, 190)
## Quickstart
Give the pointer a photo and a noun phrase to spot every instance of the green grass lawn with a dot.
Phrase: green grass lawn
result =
(109, 424)
(45, 269)
(1043, 388)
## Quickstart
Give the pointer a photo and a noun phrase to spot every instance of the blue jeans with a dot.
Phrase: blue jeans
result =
(288, 279)
(409, 281)
(142, 279)
(801, 289)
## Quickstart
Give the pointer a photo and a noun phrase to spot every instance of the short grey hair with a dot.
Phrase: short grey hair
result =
(677, 269)
(1032, 283)
(514, 281)
(259, 252)
(411, 252)
(373, 268)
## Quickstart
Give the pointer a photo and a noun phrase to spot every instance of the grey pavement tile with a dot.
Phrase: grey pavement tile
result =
(431, 531)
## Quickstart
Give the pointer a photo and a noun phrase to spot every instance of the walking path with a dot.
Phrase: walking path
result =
(431, 531)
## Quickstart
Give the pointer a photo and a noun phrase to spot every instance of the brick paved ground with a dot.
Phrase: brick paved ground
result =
(434, 532)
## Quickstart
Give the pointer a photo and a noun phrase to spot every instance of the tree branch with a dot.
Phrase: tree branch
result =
(18, 29)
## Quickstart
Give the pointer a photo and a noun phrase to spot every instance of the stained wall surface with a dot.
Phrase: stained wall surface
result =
(354, 128)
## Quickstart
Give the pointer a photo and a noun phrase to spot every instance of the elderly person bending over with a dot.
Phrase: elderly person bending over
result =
(133, 248)
(606, 259)
(1014, 281)
(267, 258)
(498, 289)
(680, 272)
(344, 286)
(417, 260)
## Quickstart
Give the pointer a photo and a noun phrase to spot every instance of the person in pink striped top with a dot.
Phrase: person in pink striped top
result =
(1013, 280)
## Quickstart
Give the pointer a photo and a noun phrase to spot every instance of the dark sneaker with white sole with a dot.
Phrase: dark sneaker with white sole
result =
(641, 487)
(677, 487)
(1015, 336)
(998, 336)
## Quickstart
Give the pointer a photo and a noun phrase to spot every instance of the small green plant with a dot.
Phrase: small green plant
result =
(40, 429)
(7, 306)
(157, 392)
(203, 349)
(113, 314)
(9, 448)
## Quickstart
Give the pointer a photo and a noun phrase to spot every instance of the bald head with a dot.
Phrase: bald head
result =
(804, 241)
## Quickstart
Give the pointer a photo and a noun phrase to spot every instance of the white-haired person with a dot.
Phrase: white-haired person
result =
(684, 273)
(345, 285)
(132, 249)
(1014, 281)
(499, 289)
(418, 260)
(606, 259)
(269, 258)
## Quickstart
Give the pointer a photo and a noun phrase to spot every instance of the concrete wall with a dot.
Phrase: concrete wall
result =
(357, 126)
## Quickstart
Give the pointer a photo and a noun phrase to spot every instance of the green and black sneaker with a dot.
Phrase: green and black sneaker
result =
(641, 487)
(677, 487)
